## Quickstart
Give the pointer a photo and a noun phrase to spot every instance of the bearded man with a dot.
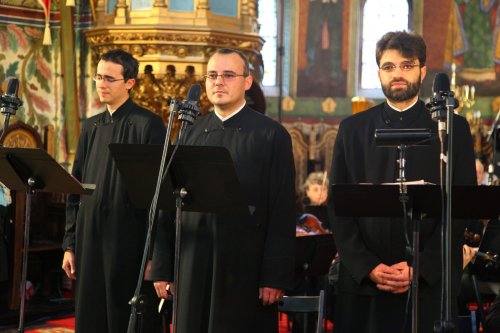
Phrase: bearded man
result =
(374, 276)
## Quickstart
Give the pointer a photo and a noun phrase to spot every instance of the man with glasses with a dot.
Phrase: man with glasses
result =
(374, 276)
(105, 233)
(234, 268)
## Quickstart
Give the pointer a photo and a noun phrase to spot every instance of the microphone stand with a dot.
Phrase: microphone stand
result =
(7, 112)
(187, 114)
(5, 126)
(32, 183)
(446, 325)
(8, 106)
(138, 301)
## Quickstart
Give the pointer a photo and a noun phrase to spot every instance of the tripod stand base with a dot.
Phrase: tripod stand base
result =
(445, 327)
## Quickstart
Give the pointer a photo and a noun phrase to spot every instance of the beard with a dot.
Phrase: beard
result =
(400, 95)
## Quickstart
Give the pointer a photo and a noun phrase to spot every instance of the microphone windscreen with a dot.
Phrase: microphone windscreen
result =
(194, 92)
(441, 83)
(12, 87)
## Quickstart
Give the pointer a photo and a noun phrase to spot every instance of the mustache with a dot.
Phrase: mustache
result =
(399, 80)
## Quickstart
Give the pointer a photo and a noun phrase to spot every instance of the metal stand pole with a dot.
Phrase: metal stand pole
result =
(403, 197)
(179, 195)
(29, 192)
(449, 326)
(137, 303)
(416, 272)
(446, 324)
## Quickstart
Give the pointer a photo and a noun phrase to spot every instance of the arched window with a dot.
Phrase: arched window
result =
(268, 22)
(379, 17)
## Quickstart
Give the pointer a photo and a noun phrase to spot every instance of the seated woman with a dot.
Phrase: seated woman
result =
(316, 189)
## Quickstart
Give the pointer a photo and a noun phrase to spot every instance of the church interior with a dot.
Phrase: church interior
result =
(311, 64)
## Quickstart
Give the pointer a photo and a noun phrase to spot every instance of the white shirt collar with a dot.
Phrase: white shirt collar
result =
(231, 115)
(406, 108)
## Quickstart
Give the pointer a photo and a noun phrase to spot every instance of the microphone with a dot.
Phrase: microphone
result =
(440, 89)
(10, 102)
(441, 84)
(190, 108)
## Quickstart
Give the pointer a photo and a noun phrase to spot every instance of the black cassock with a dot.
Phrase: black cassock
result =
(366, 242)
(224, 260)
(105, 229)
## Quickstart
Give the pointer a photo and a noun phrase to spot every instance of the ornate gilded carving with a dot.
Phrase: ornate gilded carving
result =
(311, 143)
(20, 135)
(205, 38)
(169, 42)
(20, 139)
(155, 93)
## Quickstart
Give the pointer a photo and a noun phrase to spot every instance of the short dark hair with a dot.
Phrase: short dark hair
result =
(246, 67)
(129, 63)
(411, 45)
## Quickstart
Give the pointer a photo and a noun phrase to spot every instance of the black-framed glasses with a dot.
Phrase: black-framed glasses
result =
(105, 78)
(226, 76)
(405, 66)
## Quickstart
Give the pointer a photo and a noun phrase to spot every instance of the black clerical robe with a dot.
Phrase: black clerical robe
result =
(366, 242)
(105, 230)
(225, 259)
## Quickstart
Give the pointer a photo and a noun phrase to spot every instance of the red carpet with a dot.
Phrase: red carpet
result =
(67, 325)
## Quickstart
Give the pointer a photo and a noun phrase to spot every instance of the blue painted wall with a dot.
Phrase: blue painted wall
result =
(224, 7)
(181, 6)
(141, 4)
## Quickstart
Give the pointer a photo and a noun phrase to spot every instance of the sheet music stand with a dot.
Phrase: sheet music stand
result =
(485, 266)
(366, 200)
(33, 170)
(313, 256)
(194, 173)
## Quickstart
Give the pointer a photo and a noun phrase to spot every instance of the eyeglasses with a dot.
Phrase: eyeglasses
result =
(226, 76)
(405, 66)
(105, 78)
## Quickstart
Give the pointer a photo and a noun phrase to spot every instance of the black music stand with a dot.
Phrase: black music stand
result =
(469, 202)
(485, 266)
(33, 170)
(313, 257)
(189, 186)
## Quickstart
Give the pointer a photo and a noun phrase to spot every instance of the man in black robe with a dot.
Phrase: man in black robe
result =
(374, 276)
(233, 269)
(104, 231)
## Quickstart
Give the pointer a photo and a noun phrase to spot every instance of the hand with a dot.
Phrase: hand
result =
(270, 295)
(469, 253)
(406, 274)
(164, 289)
(395, 279)
(68, 264)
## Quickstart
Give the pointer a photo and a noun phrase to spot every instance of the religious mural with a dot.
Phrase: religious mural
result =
(34, 50)
(322, 55)
(473, 44)
(23, 56)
